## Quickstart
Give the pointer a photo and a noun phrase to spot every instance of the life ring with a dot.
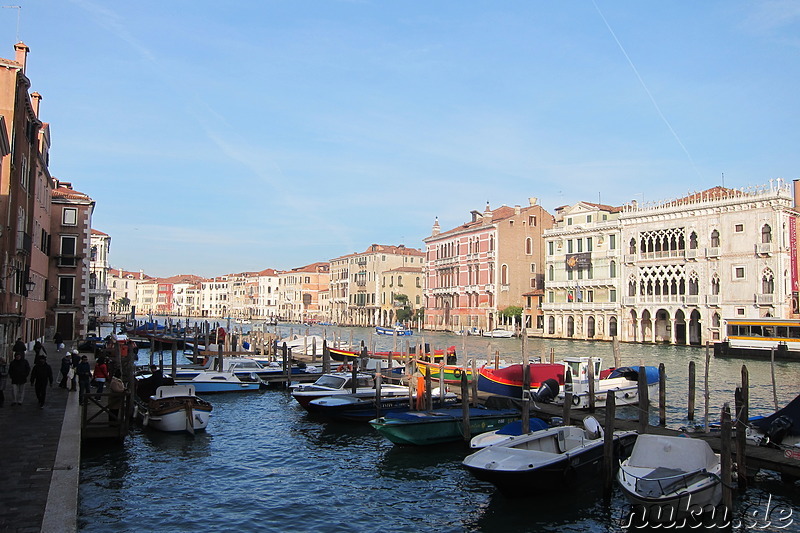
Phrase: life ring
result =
(344, 367)
(576, 400)
(457, 372)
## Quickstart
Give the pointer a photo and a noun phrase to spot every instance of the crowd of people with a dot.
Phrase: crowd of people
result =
(76, 374)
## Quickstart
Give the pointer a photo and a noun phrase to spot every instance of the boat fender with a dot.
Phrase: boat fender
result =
(146, 419)
(457, 372)
(626, 395)
(576, 399)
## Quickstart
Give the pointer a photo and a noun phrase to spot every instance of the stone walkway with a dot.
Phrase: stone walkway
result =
(40, 457)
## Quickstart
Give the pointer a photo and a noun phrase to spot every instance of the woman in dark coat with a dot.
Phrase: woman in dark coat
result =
(41, 377)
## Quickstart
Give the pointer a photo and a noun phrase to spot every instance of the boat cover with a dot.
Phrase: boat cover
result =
(680, 453)
(632, 373)
(515, 428)
(790, 413)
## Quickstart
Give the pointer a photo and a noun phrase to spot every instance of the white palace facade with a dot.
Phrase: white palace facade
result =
(672, 271)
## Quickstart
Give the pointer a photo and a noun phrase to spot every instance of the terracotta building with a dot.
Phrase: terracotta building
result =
(484, 266)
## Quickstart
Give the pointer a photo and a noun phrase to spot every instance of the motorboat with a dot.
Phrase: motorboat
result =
(243, 367)
(450, 373)
(507, 380)
(669, 478)
(215, 381)
(624, 381)
(301, 344)
(396, 330)
(356, 408)
(341, 383)
(473, 331)
(440, 425)
(499, 333)
(173, 408)
(507, 432)
(546, 460)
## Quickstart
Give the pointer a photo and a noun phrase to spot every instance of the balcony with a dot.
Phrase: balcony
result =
(24, 242)
(68, 260)
(712, 253)
(765, 299)
(713, 299)
(691, 254)
(692, 299)
(764, 248)
(630, 258)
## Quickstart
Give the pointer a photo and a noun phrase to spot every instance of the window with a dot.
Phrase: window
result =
(715, 239)
(550, 248)
(569, 246)
(612, 295)
(504, 274)
(569, 221)
(738, 228)
(588, 218)
(532, 220)
(551, 273)
(738, 272)
(65, 290)
(528, 246)
(70, 217)
(533, 283)
(632, 246)
(68, 247)
(767, 282)
(533, 267)
(766, 234)
(612, 269)
(612, 242)
(588, 244)
(580, 245)
(740, 311)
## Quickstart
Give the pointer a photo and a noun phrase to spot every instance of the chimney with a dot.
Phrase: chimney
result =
(436, 228)
(21, 50)
(487, 213)
(36, 99)
(796, 189)
(517, 209)
(533, 201)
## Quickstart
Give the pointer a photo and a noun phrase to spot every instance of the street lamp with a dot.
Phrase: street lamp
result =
(29, 286)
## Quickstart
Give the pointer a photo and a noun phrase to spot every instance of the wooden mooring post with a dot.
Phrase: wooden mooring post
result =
(465, 406)
(526, 395)
(566, 415)
(690, 408)
(662, 395)
(644, 401)
(608, 444)
(725, 460)
(590, 377)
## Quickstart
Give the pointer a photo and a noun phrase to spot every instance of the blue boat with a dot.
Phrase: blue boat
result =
(396, 330)
(441, 425)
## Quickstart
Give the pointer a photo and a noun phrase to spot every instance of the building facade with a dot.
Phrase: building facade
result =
(679, 267)
(99, 267)
(478, 269)
(299, 292)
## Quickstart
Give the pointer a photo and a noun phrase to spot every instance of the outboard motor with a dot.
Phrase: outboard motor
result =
(547, 392)
(778, 429)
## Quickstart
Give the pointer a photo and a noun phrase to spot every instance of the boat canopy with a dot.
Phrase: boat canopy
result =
(791, 413)
(680, 453)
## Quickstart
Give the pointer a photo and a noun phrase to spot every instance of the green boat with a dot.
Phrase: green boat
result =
(442, 425)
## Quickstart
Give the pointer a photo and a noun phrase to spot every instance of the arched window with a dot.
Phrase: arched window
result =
(694, 285)
(92, 280)
(504, 274)
(550, 273)
(715, 239)
(715, 320)
(93, 254)
(551, 325)
(612, 269)
(715, 285)
(767, 282)
(632, 288)
(693, 241)
(632, 247)
(491, 243)
(766, 234)
(529, 246)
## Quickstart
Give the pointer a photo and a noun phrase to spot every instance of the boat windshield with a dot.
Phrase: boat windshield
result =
(334, 382)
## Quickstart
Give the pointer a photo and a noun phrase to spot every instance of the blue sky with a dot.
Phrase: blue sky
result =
(228, 136)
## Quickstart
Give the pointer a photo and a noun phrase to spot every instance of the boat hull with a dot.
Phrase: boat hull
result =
(562, 470)
(391, 331)
(356, 409)
(507, 381)
(420, 428)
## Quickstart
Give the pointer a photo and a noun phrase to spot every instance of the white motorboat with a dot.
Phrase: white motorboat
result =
(337, 383)
(624, 381)
(174, 408)
(499, 333)
(669, 478)
(214, 381)
(541, 461)
(301, 344)
(506, 433)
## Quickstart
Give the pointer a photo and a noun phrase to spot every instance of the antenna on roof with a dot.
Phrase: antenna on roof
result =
(723, 180)
(19, 10)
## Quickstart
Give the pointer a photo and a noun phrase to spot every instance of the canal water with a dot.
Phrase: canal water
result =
(263, 464)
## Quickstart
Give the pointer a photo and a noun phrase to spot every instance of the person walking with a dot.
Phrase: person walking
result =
(3, 379)
(66, 365)
(84, 372)
(18, 371)
(76, 359)
(38, 348)
(100, 374)
(19, 347)
(58, 340)
(41, 377)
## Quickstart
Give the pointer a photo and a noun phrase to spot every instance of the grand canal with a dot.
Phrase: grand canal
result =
(265, 465)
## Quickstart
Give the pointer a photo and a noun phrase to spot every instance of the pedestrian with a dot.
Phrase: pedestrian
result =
(58, 340)
(100, 374)
(38, 348)
(41, 377)
(66, 365)
(18, 371)
(84, 372)
(19, 347)
(3, 378)
(76, 359)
